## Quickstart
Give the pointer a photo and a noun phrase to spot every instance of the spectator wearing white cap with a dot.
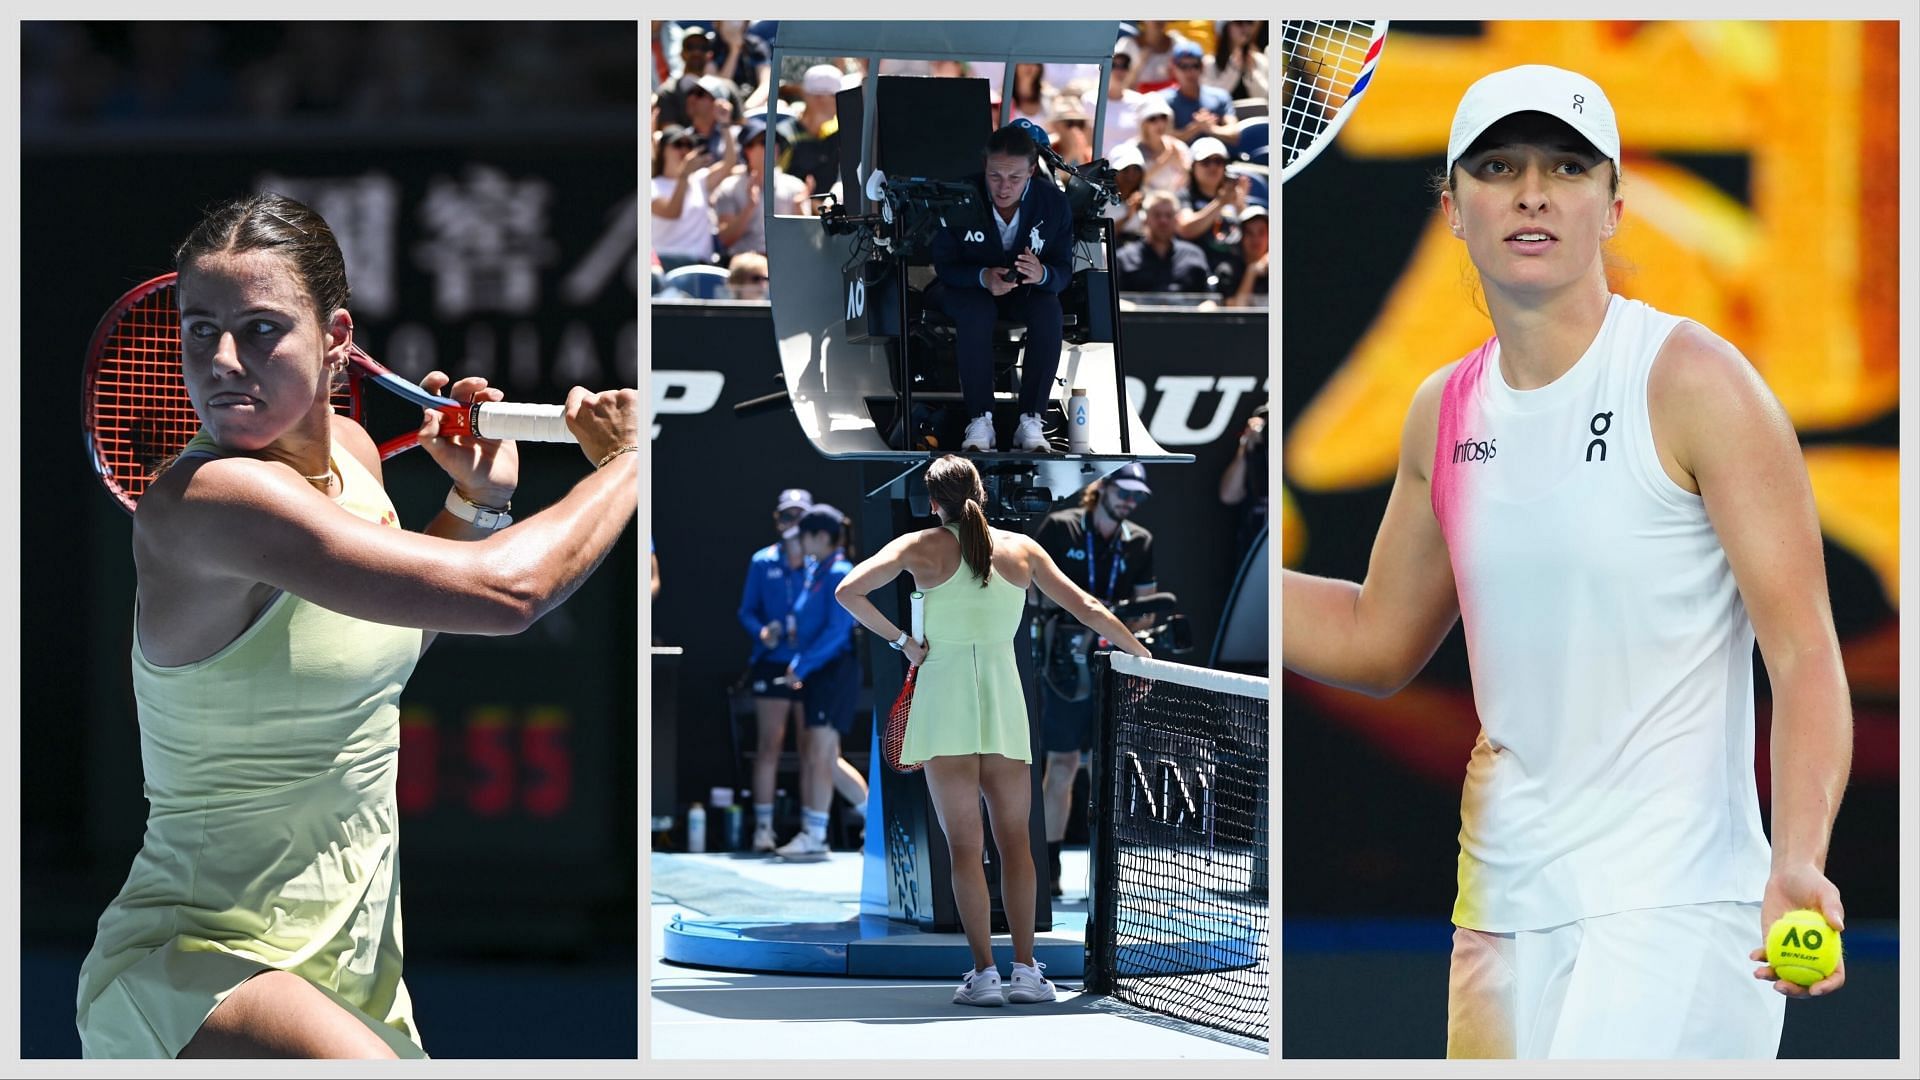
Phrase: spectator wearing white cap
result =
(1243, 279)
(1199, 110)
(1129, 174)
(1169, 162)
(815, 157)
(1123, 101)
(1212, 202)
(1071, 130)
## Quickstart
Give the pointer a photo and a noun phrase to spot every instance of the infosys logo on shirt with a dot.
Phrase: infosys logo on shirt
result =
(1473, 450)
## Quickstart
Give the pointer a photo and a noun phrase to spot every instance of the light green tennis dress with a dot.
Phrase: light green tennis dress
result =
(967, 697)
(272, 834)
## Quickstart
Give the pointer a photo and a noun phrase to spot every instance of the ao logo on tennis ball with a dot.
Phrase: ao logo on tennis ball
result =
(1802, 948)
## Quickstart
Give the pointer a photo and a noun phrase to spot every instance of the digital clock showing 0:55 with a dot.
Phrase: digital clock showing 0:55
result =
(499, 762)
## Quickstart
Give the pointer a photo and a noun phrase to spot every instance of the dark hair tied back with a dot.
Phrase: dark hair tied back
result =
(273, 221)
(954, 486)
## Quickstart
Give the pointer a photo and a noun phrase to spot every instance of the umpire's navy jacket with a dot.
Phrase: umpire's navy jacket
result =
(959, 253)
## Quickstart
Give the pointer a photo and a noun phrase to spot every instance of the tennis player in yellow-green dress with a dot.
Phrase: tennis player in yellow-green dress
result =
(969, 722)
(280, 609)
(272, 834)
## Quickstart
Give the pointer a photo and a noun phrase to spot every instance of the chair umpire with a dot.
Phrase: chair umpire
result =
(1015, 268)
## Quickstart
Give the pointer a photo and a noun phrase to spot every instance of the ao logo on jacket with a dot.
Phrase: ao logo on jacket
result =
(975, 236)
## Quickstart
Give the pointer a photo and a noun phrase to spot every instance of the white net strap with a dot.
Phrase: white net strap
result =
(1225, 682)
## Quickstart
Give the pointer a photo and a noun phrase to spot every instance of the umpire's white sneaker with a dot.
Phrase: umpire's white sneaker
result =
(980, 988)
(1027, 986)
(1029, 437)
(979, 434)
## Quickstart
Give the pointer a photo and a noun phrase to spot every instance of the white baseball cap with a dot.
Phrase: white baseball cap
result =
(1208, 147)
(1565, 95)
(821, 79)
(1124, 155)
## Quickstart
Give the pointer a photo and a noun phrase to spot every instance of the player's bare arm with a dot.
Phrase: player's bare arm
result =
(1375, 636)
(1721, 433)
(215, 528)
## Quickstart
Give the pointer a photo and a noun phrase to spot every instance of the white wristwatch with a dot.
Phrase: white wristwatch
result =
(482, 517)
(899, 644)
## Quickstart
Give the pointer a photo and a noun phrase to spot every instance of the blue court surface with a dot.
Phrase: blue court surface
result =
(705, 1013)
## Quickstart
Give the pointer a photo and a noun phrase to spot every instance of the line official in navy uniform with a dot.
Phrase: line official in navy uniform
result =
(1029, 238)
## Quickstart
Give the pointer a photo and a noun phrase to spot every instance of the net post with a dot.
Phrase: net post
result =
(1098, 977)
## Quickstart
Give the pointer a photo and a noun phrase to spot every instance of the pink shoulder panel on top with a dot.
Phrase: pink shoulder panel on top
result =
(1456, 419)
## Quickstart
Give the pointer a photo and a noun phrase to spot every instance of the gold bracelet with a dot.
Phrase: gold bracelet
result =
(616, 452)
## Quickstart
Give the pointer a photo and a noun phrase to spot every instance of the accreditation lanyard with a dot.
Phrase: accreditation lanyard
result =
(789, 573)
(814, 565)
(1114, 568)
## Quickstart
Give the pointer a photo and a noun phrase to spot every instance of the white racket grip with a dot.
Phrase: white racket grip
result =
(515, 420)
(918, 602)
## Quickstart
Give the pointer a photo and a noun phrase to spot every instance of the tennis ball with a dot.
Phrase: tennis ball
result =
(1802, 948)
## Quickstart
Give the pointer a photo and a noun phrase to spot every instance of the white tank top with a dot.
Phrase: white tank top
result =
(1612, 658)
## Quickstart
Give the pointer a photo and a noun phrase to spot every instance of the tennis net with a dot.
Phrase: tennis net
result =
(1179, 914)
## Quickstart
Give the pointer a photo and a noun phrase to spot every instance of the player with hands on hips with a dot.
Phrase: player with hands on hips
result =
(969, 720)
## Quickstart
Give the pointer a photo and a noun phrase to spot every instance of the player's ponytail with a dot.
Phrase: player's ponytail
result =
(954, 486)
(976, 543)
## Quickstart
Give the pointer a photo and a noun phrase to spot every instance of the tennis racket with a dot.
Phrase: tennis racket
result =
(138, 416)
(894, 739)
(1328, 65)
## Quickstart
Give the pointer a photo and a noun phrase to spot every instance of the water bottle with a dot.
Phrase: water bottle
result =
(696, 828)
(1077, 440)
(736, 827)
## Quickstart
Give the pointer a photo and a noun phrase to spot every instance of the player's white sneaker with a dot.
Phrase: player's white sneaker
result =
(1028, 986)
(979, 434)
(763, 841)
(980, 988)
(1028, 437)
(802, 848)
